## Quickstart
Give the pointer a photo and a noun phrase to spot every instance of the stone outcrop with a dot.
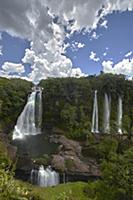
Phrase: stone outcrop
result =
(69, 158)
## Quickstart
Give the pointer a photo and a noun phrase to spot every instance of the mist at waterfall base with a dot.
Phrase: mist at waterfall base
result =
(29, 121)
(44, 177)
(35, 146)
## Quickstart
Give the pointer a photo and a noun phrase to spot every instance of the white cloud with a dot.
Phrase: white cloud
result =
(125, 67)
(105, 54)
(51, 61)
(128, 54)
(94, 57)
(33, 20)
(80, 45)
(10, 76)
(94, 36)
(1, 50)
(104, 24)
(107, 66)
(10, 68)
(77, 45)
(76, 72)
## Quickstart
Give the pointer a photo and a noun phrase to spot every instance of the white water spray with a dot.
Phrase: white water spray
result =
(94, 128)
(45, 177)
(120, 113)
(26, 123)
(107, 104)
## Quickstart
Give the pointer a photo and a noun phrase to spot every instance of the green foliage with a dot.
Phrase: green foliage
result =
(44, 160)
(5, 161)
(69, 163)
(68, 103)
(68, 191)
(65, 196)
(117, 179)
(9, 189)
(100, 148)
(13, 95)
(107, 147)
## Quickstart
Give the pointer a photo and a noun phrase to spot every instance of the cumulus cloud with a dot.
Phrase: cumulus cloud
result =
(107, 66)
(11, 68)
(35, 21)
(105, 53)
(10, 76)
(128, 54)
(77, 45)
(94, 36)
(51, 61)
(104, 24)
(125, 66)
(94, 57)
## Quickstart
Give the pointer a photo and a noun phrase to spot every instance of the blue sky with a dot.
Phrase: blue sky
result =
(106, 47)
(117, 38)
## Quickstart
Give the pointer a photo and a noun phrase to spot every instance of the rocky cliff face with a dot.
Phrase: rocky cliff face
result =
(68, 161)
(69, 158)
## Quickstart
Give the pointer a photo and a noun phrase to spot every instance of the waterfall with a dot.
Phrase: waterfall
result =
(107, 104)
(45, 177)
(38, 111)
(34, 176)
(94, 128)
(119, 117)
(26, 123)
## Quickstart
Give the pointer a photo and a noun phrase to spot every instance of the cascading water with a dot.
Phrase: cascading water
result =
(44, 177)
(26, 123)
(38, 109)
(34, 176)
(94, 128)
(107, 104)
(120, 113)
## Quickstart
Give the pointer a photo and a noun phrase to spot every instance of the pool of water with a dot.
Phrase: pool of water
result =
(35, 146)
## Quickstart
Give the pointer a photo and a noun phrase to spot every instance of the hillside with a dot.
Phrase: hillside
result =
(67, 116)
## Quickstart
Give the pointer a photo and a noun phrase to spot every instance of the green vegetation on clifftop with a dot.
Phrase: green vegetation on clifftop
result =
(68, 103)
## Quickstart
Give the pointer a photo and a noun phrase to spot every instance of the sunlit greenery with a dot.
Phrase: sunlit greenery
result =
(68, 103)
(67, 108)
(117, 179)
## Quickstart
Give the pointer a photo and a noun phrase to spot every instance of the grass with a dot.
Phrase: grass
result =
(68, 191)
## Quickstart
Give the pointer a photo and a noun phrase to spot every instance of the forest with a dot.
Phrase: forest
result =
(67, 110)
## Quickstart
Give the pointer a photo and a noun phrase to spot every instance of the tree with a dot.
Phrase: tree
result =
(117, 179)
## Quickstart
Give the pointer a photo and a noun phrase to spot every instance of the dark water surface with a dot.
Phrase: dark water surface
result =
(35, 146)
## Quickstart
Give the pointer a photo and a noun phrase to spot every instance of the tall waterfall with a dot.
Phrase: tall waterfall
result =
(44, 177)
(26, 123)
(94, 128)
(107, 104)
(120, 113)
(38, 111)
